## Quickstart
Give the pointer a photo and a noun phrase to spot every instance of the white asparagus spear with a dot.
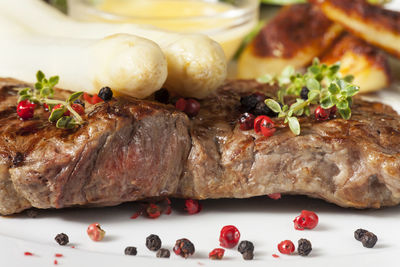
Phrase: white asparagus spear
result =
(196, 64)
(128, 64)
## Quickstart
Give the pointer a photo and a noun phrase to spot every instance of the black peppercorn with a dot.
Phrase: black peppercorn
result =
(245, 246)
(62, 239)
(369, 240)
(105, 93)
(153, 242)
(80, 102)
(183, 247)
(248, 255)
(249, 102)
(358, 234)
(304, 247)
(162, 96)
(304, 93)
(130, 251)
(163, 253)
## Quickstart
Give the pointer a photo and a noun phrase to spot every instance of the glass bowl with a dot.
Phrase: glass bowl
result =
(226, 21)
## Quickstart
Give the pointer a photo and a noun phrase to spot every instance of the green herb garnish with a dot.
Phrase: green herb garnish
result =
(326, 88)
(42, 93)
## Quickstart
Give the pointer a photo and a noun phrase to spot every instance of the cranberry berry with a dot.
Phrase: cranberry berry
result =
(216, 254)
(246, 121)
(306, 220)
(286, 247)
(229, 236)
(183, 247)
(25, 109)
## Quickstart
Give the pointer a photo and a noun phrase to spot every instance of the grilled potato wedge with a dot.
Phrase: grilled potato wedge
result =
(368, 65)
(294, 37)
(372, 23)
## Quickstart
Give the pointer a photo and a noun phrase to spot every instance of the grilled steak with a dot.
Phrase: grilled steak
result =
(128, 150)
(131, 150)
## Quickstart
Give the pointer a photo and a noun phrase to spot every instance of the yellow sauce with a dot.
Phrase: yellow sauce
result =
(192, 16)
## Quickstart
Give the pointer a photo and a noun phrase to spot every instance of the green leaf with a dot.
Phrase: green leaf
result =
(273, 105)
(348, 78)
(54, 80)
(316, 61)
(345, 113)
(294, 125)
(334, 88)
(66, 122)
(334, 68)
(74, 97)
(314, 69)
(285, 108)
(266, 78)
(313, 95)
(351, 90)
(40, 76)
(24, 91)
(327, 102)
(38, 85)
(342, 104)
(312, 84)
(284, 78)
(44, 92)
(56, 114)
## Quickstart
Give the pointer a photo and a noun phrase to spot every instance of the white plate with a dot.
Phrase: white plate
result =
(261, 220)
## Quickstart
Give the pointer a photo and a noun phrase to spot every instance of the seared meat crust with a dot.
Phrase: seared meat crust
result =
(130, 150)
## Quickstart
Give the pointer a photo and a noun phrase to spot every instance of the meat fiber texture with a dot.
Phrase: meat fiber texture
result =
(132, 150)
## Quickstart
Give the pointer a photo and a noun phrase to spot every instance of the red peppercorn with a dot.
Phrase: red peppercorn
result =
(246, 121)
(306, 220)
(66, 113)
(321, 114)
(183, 247)
(275, 196)
(95, 232)
(96, 99)
(192, 107)
(92, 99)
(192, 206)
(216, 254)
(153, 211)
(55, 262)
(229, 236)
(25, 109)
(286, 247)
(181, 104)
(264, 125)
(78, 108)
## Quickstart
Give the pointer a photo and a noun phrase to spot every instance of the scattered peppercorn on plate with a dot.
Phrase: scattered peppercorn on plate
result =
(263, 224)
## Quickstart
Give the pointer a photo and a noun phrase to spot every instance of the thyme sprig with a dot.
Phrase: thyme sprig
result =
(326, 88)
(42, 93)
